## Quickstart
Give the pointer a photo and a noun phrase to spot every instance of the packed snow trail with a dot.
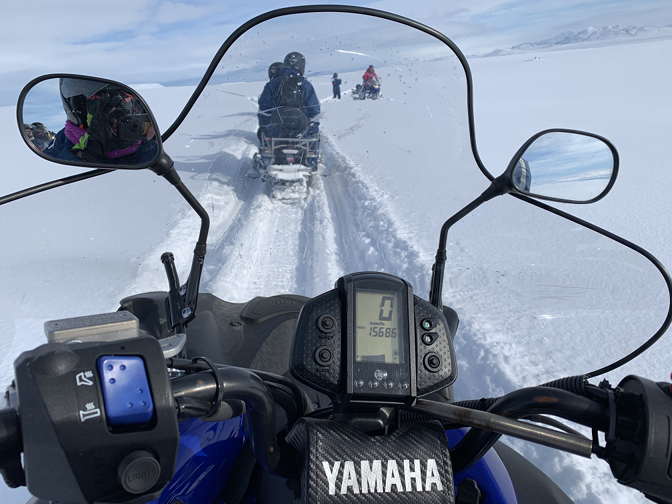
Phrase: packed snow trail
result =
(259, 246)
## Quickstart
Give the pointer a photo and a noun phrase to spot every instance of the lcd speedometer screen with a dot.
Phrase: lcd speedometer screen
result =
(377, 322)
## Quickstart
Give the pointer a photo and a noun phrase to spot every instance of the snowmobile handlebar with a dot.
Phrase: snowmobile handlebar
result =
(10, 448)
(635, 417)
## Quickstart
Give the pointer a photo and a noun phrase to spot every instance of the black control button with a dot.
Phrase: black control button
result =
(326, 324)
(433, 362)
(324, 356)
(427, 324)
(388, 384)
(359, 383)
(373, 384)
(139, 472)
(380, 374)
(403, 385)
(429, 338)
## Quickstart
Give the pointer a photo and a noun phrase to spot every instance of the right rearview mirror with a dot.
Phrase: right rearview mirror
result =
(564, 165)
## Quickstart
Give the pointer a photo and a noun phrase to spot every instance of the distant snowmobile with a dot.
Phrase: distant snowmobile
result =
(371, 92)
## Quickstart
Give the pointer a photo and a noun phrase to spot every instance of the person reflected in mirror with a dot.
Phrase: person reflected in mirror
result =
(31, 134)
(336, 84)
(104, 125)
(42, 134)
(371, 83)
(264, 117)
(522, 176)
(292, 103)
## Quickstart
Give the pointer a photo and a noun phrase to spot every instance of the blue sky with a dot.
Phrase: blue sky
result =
(138, 41)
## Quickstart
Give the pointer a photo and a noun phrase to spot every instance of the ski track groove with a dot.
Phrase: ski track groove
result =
(257, 246)
(368, 235)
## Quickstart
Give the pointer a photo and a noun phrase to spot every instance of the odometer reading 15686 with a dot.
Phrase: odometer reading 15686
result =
(377, 320)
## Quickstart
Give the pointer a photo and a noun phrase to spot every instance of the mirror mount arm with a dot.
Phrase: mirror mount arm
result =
(186, 312)
(500, 185)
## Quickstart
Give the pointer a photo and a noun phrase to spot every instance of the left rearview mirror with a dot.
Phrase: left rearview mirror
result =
(564, 165)
(80, 120)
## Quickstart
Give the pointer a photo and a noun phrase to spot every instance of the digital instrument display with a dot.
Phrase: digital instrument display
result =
(377, 326)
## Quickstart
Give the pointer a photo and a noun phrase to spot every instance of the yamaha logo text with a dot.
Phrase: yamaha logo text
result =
(382, 477)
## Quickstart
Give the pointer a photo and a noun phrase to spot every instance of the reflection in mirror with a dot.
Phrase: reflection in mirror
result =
(89, 122)
(566, 166)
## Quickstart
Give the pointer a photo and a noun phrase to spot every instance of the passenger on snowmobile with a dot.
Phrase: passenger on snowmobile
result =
(264, 117)
(92, 132)
(336, 83)
(40, 132)
(29, 132)
(274, 69)
(371, 82)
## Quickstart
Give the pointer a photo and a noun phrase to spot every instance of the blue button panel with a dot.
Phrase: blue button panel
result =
(126, 394)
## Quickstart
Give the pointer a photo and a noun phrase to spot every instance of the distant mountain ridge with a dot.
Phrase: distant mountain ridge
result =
(605, 35)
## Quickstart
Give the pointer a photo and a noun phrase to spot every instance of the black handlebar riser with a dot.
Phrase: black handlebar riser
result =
(243, 384)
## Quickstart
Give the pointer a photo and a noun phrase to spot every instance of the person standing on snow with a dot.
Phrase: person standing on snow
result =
(336, 83)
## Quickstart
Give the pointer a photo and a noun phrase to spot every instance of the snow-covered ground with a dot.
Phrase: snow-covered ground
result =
(538, 297)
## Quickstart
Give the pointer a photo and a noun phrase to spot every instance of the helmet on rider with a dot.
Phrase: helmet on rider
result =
(28, 129)
(274, 69)
(296, 61)
(39, 128)
(335, 75)
(370, 67)
(76, 92)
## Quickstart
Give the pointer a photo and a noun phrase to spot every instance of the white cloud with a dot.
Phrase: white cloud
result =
(166, 41)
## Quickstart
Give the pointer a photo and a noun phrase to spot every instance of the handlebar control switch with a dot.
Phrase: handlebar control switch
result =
(126, 394)
(78, 428)
(640, 455)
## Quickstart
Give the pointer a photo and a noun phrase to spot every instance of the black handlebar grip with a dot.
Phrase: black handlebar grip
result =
(10, 449)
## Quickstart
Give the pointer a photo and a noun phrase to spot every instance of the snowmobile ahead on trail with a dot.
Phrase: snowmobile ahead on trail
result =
(289, 141)
(370, 87)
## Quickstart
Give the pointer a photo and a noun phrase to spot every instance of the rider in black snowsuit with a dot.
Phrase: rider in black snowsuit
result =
(336, 83)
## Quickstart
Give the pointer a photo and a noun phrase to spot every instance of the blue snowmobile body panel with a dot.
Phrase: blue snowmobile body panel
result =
(207, 453)
(489, 472)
